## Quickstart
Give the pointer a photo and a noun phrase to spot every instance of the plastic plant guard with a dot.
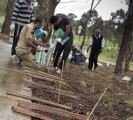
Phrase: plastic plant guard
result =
(59, 33)
(126, 78)
(11, 40)
(108, 64)
(100, 64)
(50, 50)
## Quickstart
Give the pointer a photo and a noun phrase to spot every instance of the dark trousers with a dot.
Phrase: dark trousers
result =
(93, 58)
(66, 48)
(17, 31)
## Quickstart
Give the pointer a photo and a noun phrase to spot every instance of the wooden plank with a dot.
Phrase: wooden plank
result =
(11, 70)
(48, 88)
(38, 100)
(44, 78)
(40, 72)
(29, 113)
(52, 110)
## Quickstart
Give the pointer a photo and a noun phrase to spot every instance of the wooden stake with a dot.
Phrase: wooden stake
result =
(38, 100)
(56, 52)
(44, 78)
(53, 61)
(41, 73)
(49, 89)
(97, 103)
(52, 110)
(49, 66)
(29, 113)
(60, 82)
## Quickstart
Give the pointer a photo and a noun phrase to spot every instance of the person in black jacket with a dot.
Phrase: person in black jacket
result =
(64, 24)
(97, 44)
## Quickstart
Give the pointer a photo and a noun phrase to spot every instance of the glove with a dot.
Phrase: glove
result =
(12, 27)
(45, 33)
(58, 40)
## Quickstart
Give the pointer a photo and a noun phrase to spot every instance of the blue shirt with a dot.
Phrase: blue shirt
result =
(39, 33)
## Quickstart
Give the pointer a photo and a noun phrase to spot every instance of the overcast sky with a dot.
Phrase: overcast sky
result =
(80, 6)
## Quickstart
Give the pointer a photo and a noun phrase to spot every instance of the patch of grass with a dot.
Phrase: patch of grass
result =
(129, 103)
(109, 53)
(130, 118)
(108, 101)
(92, 89)
(1, 21)
(121, 94)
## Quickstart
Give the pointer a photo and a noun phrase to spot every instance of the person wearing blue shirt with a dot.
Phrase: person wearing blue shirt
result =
(77, 56)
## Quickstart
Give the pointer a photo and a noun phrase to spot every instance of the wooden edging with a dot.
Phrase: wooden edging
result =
(38, 100)
(43, 78)
(52, 110)
(41, 74)
(29, 70)
(29, 113)
(48, 88)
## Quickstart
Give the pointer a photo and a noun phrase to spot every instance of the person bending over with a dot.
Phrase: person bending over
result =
(62, 25)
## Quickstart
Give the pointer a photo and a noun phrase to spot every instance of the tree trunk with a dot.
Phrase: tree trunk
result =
(115, 43)
(127, 37)
(52, 4)
(86, 22)
(7, 21)
(84, 36)
(128, 57)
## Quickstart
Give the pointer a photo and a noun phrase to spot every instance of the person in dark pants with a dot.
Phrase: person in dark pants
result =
(22, 15)
(77, 56)
(64, 24)
(97, 44)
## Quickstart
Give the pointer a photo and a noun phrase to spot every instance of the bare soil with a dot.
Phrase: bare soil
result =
(117, 103)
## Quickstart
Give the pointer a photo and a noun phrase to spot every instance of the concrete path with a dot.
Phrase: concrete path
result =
(10, 80)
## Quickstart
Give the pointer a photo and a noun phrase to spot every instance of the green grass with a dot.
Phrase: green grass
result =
(107, 54)
(1, 21)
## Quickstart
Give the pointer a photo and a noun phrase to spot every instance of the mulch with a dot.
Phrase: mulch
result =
(88, 86)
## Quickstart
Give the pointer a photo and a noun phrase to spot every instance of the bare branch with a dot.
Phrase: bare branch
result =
(92, 4)
(69, 1)
(97, 4)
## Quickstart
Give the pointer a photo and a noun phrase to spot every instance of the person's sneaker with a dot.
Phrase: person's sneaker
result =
(17, 60)
(90, 69)
(58, 71)
(96, 68)
(56, 68)
(13, 58)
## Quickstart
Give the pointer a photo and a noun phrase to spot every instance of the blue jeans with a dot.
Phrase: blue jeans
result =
(77, 59)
